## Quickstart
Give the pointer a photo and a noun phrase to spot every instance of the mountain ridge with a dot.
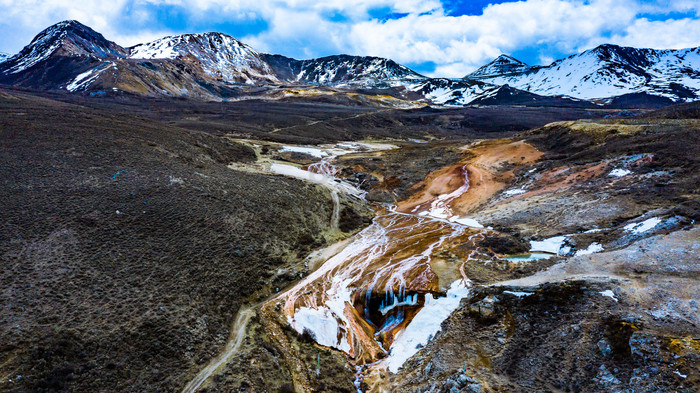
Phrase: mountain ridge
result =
(611, 70)
(503, 64)
(215, 66)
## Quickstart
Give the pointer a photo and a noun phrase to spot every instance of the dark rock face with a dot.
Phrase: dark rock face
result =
(350, 220)
(538, 341)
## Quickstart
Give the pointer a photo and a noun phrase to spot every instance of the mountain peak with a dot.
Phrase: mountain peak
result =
(505, 59)
(634, 59)
(609, 50)
(66, 28)
(174, 46)
(502, 65)
(67, 38)
(218, 54)
(71, 23)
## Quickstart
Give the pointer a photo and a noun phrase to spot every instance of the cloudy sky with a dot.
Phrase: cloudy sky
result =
(435, 37)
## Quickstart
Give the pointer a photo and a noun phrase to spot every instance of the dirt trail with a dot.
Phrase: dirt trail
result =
(238, 333)
(335, 217)
(269, 315)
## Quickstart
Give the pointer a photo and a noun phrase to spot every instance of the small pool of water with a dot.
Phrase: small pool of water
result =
(528, 257)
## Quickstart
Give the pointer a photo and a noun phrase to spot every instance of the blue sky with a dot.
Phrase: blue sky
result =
(435, 37)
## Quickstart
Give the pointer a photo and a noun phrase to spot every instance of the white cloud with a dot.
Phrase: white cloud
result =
(672, 34)
(502, 28)
(309, 28)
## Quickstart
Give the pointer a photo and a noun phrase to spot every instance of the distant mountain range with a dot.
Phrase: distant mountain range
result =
(71, 56)
(603, 72)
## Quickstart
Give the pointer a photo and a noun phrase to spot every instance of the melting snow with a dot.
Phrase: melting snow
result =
(519, 294)
(425, 325)
(609, 293)
(641, 227)
(553, 245)
(592, 248)
(528, 257)
(328, 181)
(312, 151)
(516, 191)
(619, 172)
(469, 222)
(410, 300)
(323, 324)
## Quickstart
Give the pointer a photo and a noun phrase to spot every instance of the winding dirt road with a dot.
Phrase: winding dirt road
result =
(238, 333)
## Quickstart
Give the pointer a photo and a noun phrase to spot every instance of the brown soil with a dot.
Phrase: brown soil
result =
(490, 166)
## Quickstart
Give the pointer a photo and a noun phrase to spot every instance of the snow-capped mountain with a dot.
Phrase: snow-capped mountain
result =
(221, 56)
(608, 71)
(71, 56)
(343, 70)
(57, 56)
(502, 65)
(450, 92)
(4, 56)
(66, 39)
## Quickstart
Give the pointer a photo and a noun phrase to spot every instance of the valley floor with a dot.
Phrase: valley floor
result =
(144, 256)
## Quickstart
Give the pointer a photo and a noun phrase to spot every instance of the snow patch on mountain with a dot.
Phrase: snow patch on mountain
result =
(67, 39)
(4, 56)
(220, 56)
(343, 71)
(163, 48)
(43, 46)
(450, 92)
(82, 81)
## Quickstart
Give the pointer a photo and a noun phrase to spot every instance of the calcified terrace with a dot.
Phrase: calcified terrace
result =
(365, 299)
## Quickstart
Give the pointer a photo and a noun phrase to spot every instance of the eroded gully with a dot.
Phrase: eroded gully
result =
(385, 294)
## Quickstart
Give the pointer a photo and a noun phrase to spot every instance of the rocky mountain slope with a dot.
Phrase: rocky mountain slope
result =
(63, 53)
(502, 65)
(343, 70)
(451, 92)
(128, 244)
(604, 72)
(219, 55)
(73, 57)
